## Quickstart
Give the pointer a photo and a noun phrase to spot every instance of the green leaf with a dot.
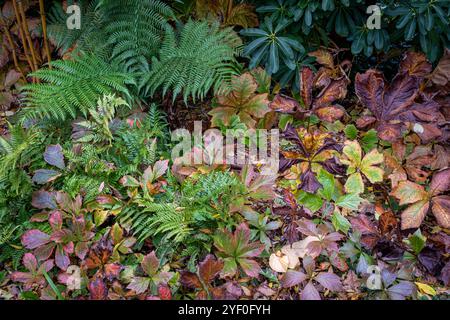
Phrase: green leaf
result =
(349, 201)
(354, 184)
(340, 222)
(326, 179)
(417, 241)
(311, 201)
(351, 132)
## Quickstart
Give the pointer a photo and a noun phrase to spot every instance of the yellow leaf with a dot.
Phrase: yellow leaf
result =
(426, 289)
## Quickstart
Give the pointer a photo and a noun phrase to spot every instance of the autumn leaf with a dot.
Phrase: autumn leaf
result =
(395, 105)
(242, 100)
(236, 250)
(352, 157)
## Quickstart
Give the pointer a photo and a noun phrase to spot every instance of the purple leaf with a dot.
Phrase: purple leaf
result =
(43, 200)
(55, 219)
(47, 266)
(34, 238)
(43, 176)
(292, 278)
(30, 262)
(98, 289)
(309, 183)
(61, 258)
(329, 281)
(445, 274)
(401, 290)
(53, 155)
(310, 293)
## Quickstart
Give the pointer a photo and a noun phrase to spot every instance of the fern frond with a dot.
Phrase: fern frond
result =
(90, 38)
(135, 29)
(192, 60)
(72, 87)
(158, 218)
(16, 151)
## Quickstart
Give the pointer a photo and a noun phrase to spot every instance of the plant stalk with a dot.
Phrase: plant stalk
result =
(13, 50)
(44, 31)
(22, 36)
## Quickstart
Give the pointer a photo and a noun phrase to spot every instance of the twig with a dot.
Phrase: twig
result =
(44, 31)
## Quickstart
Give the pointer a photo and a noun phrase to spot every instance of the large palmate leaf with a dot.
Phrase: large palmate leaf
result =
(357, 164)
(330, 81)
(236, 250)
(208, 270)
(395, 104)
(312, 150)
(419, 200)
(243, 101)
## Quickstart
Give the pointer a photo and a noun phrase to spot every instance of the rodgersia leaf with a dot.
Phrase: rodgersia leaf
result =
(236, 250)
(242, 101)
(367, 165)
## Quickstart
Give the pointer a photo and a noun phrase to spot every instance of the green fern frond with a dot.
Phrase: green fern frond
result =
(135, 29)
(192, 60)
(72, 87)
(158, 218)
(90, 38)
(16, 151)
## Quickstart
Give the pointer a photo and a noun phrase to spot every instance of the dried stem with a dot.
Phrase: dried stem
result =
(44, 31)
(13, 50)
(27, 35)
(22, 36)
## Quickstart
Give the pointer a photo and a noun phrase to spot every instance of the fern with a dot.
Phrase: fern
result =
(158, 218)
(192, 60)
(88, 38)
(136, 146)
(17, 151)
(135, 29)
(183, 211)
(72, 87)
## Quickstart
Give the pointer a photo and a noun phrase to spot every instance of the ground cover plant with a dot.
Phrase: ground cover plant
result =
(97, 202)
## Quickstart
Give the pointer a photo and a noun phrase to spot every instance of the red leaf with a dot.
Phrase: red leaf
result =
(164, 292)
(98, 289)
(191, 280)
(209, 268)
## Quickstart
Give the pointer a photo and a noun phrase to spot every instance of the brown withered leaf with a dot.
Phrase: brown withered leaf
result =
(441, 74)
(323, 105)
(323, 57)
(306, 85)
(416, 64)
(387, 222)
(395, 105)
(284, 104)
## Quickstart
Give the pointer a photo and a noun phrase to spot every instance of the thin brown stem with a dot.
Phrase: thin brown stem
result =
(34, 55)
(44, 31)
(22, 36)
(13, 50)
(229, 10)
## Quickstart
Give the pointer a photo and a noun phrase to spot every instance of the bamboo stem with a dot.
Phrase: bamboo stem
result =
(229, 10)
(27, 35)
(44, 31)
(22, 36)
(11, 44)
